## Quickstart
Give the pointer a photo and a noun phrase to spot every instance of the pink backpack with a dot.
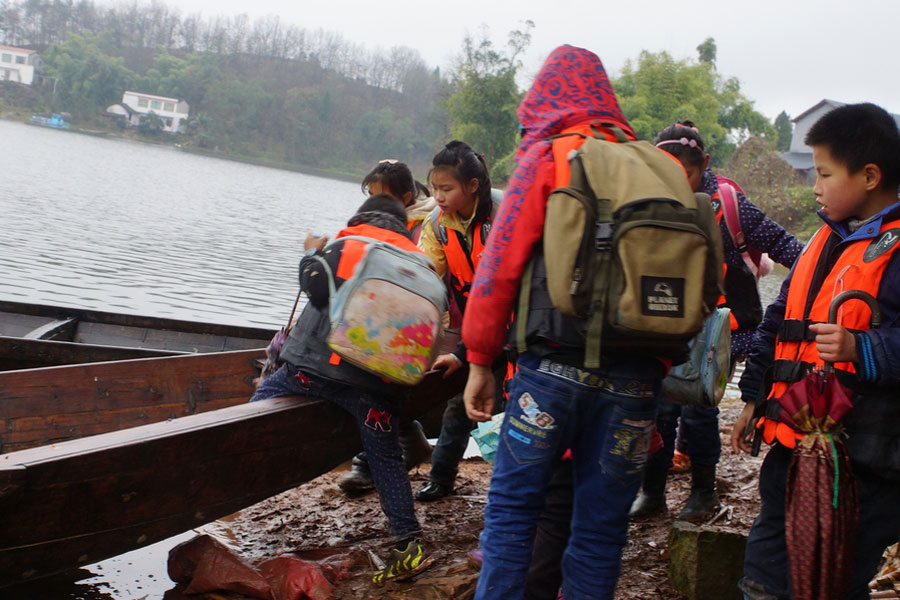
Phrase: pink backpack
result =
(758, 262)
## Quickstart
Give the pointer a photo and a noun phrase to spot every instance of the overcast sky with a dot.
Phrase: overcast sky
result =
(788, 54)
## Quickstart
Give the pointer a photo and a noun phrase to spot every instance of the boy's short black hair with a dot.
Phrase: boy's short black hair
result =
(384, 204)
(859, 134)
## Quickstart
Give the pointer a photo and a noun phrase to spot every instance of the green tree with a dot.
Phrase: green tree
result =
(165, 76)
(151, 124)
(707, 51)
(656, 90)
(88, 78)
(784, 129)
(381, 132)
(483, 108)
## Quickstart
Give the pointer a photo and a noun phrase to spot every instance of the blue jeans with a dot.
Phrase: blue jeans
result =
(606, 417)
(378, 429)
(766, 560)
(699, 434)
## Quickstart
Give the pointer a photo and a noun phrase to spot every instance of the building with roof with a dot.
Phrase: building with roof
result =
(18, 64)
(135, 105)
(799, 155)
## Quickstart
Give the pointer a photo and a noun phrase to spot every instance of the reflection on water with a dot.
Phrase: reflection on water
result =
(127, 227)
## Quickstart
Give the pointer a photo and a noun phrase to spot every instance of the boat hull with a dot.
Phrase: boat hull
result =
(64, 504)
(33, 335)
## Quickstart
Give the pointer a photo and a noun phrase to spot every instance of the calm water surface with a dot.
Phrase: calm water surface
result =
(127, 227)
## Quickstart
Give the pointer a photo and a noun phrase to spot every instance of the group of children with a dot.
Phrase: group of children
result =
(603, 418)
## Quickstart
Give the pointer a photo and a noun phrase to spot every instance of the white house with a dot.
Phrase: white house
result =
(799, 155)
(135, 105)
(18, 64)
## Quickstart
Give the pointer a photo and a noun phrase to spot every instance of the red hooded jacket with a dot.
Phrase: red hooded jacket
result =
(571, 89)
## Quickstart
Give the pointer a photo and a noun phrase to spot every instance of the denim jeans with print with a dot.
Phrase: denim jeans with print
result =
(378, 429)
(606, 417)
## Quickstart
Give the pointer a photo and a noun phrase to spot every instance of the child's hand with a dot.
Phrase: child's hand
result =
(740, 440)
(479, 393)
(448, 362)
(314, 242)
(834, 343)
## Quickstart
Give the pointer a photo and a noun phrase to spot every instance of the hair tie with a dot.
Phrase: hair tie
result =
(683, 141)
(688, 126)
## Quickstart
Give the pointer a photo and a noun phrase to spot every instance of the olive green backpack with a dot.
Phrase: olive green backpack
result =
(629, 247)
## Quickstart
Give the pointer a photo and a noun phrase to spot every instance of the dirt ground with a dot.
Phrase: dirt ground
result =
(319, 515)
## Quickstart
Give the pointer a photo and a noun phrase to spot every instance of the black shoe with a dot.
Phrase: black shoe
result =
(433, 491)
(359, 479)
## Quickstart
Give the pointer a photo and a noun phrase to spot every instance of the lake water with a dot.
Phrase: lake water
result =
(120, 226)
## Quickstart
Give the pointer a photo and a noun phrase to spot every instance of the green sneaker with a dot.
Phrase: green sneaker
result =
(404, 564)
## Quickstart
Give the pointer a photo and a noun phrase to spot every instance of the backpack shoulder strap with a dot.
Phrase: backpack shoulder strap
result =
(731, 213)
(720, 179)
(434, 218)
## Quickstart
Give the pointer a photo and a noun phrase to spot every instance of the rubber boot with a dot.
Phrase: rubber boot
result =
(359, 479)
(416, 448)
(704, 499)
(652, 499)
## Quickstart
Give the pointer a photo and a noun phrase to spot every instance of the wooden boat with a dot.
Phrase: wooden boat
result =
(104, 458)
(33, 335)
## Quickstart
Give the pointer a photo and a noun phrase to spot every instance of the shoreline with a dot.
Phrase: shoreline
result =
(348, 176)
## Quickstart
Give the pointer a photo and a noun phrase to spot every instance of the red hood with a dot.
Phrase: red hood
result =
(571, 88)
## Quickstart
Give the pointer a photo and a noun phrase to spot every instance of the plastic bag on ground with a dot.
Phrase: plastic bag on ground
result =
(312, 574)
(203, 564)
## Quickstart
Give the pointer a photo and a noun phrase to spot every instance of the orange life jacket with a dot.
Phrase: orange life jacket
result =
(353, 250)
(568, 140)
(461, 259)
(858, 267)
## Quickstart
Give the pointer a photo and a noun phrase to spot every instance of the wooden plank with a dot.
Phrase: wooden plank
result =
(166, 478)
(106, 334)
(21, 353)
(78, 400)
(159, 323)
(80, 501)
(16, 324)
(60, 329)
(99, 331)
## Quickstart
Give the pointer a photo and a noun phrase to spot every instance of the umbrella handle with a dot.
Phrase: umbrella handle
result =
(874, 322)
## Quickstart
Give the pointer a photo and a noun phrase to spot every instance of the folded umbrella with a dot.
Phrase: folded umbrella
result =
(821, 504)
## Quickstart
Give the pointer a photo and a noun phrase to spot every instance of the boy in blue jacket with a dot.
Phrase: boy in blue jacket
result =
(856, 149)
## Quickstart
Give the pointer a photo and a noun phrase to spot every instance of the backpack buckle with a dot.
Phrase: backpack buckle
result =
(603, 233)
